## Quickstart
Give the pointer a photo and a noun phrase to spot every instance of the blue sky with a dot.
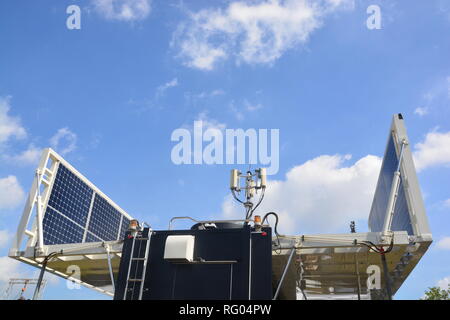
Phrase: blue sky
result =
(109, 95)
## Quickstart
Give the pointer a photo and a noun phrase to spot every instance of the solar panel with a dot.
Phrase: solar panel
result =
(75, 213)
(91, 238)
(70, 196)
(401, 219)
(124, 227)
(104, 220)
(81, 223)
(66, 213)
(337, 266)
(60, 230)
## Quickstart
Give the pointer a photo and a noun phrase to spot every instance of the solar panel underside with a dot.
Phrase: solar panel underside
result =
(75, 213)
(401, 219)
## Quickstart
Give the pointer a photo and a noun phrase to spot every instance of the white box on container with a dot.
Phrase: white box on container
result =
(179, 248)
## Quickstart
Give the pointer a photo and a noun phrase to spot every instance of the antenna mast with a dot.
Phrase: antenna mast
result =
(254, 181)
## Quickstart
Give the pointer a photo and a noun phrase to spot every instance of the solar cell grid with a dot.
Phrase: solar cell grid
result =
(92, 238)
(69, 209)
(71, 196)
(401, 219)
(124, 227)
(59, 230)
(105, 220)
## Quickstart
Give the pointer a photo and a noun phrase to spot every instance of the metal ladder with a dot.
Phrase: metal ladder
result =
(137, 259)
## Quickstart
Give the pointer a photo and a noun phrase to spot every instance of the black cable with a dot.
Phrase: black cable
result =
(378, 249)
(276, 226)
(41, 274)
(259, 202)
(248, 214)
(276, 222)
(235, 196)
(304, 294)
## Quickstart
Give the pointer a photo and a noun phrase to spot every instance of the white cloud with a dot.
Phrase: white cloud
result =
(70, 138)
(9, 269)
(155, 101)
(257, 32)
(421, 111)
(435, 98)
(236, 111)
(252, 106)
(245, 107)
(447, 203)
(433, 151)
(11, 193)
(217, 92)
(29, 156)
(320, 195)
(444, 243)
(202, 99)
(123, 10)
(210, 123)
(444, 283)
(5, 236)
(10, 127)
(96, 138)
(161, 89)
(213, 93)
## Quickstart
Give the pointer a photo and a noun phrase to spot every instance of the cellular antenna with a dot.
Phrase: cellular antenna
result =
(254, 181)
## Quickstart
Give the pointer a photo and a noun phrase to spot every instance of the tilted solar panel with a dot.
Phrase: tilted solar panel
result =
(60, 230)
(409, 211)
(401, 219)
(67, 215)
(77, 221)
(75, 213)
(104, 220)
(124, 227)
(91, 238)
(70, 196)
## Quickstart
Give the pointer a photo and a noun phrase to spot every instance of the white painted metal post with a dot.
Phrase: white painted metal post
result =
(110, 266)
(393, 195)
(27, 211)
(39, 213)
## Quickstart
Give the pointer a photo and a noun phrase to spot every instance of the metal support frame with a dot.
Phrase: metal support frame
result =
(39, 214)
(284, 273)
(393, 195)
(387, 278)
(25, 282)
(250, 269)
(380, 220)
(205, 221)
(37, 199)
(358, 276)
(111, 273)
(29, 246)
